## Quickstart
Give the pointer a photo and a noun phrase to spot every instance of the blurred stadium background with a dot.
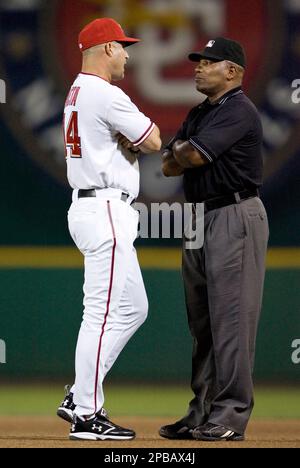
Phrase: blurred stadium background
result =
(41, 273)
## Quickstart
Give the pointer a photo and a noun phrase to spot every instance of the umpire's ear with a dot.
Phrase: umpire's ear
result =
(234, 71)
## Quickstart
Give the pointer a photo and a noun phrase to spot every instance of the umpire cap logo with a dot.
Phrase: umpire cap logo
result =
(210, 43)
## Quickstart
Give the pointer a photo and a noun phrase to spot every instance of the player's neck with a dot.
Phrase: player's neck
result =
(97, 71)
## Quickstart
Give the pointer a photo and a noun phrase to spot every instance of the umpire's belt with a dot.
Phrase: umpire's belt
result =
(232, 199)
(106, 193)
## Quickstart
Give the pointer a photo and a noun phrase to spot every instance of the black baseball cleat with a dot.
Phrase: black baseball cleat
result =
(213, 432)
(67, 407)
(99, 428)
(178, 430)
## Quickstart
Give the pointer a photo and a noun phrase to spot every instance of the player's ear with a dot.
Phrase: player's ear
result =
(109, 49)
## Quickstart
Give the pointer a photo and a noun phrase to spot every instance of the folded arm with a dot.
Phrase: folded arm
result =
(187, 156)
(182, 156)
(170, 166)
(150, 145)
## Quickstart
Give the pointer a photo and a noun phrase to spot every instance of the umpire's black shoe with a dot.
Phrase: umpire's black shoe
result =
(99, 428)
(214, 433)
(67, 407)
(178, 430)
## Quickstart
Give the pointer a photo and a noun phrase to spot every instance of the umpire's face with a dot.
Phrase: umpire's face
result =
(212, 77)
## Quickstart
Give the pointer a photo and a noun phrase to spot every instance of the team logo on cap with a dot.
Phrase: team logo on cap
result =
(40, 59)
(210, 43)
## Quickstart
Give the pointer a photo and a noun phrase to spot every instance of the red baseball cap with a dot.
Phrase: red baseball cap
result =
(101, 31)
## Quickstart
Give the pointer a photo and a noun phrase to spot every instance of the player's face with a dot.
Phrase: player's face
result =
(120, 57)
(211, 77)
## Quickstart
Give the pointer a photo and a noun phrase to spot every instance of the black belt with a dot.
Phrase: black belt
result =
(82, 193)
(232, 199)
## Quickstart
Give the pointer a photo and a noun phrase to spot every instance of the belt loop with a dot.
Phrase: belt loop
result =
(237, 197)
(124, 197)
(75, 195)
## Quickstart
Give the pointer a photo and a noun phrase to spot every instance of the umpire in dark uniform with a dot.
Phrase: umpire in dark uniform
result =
(218, 149)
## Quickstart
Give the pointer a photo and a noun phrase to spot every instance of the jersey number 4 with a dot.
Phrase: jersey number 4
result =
(73, 140)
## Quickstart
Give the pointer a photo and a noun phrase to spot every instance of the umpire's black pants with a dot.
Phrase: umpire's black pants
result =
(223, 287)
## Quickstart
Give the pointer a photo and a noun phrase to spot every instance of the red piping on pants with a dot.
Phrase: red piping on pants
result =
(108, 300)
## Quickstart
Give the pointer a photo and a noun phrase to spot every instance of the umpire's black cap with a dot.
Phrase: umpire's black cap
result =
(220, 49)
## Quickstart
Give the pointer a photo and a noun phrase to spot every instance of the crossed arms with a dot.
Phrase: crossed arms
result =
(182, 156)
(150, 145)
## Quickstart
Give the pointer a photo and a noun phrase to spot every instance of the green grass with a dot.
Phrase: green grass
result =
(143, 400)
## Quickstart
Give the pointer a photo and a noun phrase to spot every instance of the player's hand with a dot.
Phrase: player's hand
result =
(123, 141)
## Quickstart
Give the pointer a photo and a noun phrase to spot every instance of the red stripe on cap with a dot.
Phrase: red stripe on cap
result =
(108, 300)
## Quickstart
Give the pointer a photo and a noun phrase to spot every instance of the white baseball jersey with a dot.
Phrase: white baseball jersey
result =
(95, 112)
(104, 228)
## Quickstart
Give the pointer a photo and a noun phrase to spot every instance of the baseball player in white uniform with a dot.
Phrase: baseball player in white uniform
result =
(104, 132)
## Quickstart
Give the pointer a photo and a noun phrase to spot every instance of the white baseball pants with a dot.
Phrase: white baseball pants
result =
(115, 300)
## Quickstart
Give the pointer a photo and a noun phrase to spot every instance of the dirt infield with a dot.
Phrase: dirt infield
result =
(50, 432)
